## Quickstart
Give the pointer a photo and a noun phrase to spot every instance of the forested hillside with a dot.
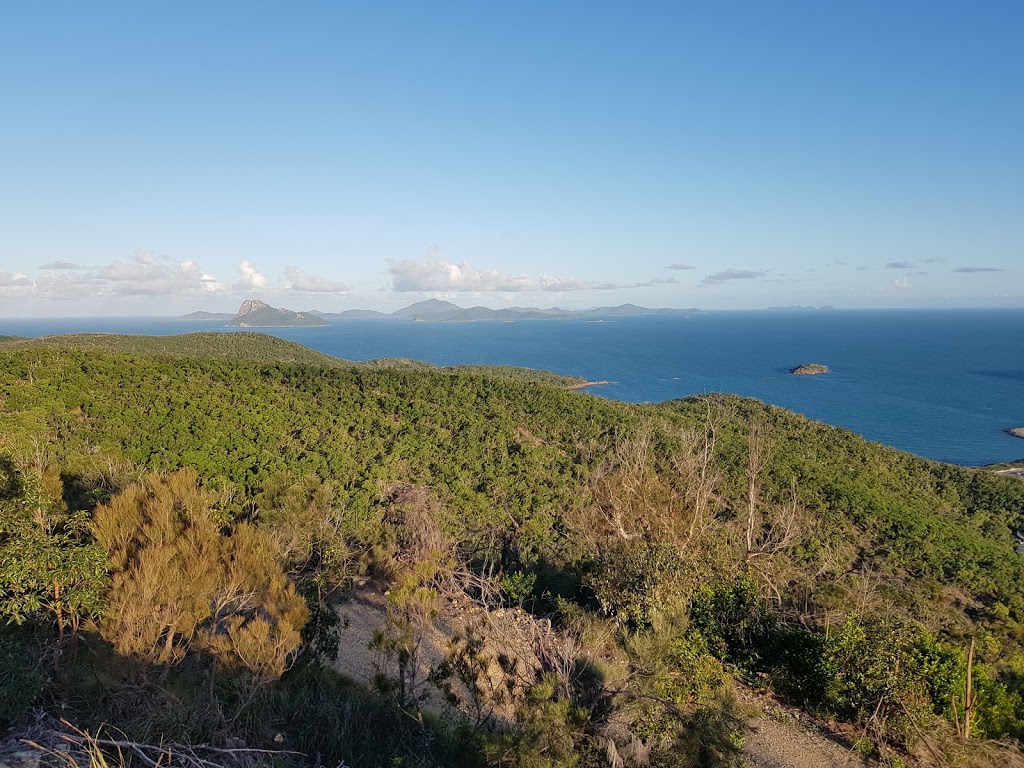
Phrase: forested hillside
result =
(181, 517)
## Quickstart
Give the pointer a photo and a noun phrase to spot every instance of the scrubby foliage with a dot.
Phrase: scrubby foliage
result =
(180, 583)
(190, 509)
(48, 566)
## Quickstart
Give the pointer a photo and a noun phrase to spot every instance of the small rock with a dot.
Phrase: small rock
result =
(809, 369)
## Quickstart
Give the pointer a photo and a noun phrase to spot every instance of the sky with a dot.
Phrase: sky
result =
(159, 158)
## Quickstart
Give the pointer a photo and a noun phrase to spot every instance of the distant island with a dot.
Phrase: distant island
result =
(809, 369)
(257, 314)
(431, 310)
(207, 316)
(435, 310)
(1015, 431)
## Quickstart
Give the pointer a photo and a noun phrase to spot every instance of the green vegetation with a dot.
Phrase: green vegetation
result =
(190, 510)
(239, 345)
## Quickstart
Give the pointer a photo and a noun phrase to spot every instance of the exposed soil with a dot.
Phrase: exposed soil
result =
(779, 736)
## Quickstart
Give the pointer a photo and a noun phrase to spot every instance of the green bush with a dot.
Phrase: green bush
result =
(890, 674)
(633, 578)
(734, 620)
(24, 652)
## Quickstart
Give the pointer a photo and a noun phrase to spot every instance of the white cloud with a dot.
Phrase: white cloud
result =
(70, 285)
(565, 283)
(431, 274)
(301, 282)
(731, 274)
(14, 279)
(144, 275)
(14, 284)
(678, 266)
(252, 279)
(150, 275)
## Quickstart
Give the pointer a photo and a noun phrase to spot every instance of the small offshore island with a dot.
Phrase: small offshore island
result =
(1015, 431)
(809, 369)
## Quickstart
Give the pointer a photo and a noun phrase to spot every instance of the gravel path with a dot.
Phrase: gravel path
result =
(781, 737)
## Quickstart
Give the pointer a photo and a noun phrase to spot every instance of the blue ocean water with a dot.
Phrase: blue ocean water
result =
(941, 384)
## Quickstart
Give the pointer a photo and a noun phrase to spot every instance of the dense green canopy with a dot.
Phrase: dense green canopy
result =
(618, 509)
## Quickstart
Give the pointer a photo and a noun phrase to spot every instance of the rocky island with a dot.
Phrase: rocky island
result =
(809, 369)
(257, 314)
(1015, 431)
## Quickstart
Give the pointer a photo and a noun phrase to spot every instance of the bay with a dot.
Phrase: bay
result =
(943, 384)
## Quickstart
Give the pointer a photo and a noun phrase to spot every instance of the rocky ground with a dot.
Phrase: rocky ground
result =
(778, 736)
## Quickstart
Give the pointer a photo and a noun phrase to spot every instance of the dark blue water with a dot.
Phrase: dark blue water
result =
(942, 384)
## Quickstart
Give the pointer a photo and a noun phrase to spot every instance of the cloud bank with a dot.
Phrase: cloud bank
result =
(729, 274)
(145, 274)
(431, 274)
(301, 282)
(150, 275)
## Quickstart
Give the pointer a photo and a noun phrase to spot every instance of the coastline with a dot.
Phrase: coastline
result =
(585, 384)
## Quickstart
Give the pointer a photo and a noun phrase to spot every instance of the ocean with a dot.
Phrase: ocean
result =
(943, 384)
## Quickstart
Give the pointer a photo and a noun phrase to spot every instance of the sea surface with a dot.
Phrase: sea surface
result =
(941, 384)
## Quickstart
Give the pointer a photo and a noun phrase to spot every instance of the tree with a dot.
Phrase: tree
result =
(181, 583)
(48, 563)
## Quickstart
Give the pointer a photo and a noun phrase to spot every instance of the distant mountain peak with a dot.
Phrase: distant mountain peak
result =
(427, 307)
(253, 305)
(258, 314)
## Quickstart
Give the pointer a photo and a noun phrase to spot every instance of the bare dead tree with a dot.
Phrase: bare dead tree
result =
(698, 476)
(757, 459)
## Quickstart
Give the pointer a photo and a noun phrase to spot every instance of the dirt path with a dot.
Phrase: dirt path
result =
(782, 737)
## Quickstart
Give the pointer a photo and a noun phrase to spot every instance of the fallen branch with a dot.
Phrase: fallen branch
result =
(157, 755)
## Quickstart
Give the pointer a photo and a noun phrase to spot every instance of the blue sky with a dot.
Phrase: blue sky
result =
(161, 157)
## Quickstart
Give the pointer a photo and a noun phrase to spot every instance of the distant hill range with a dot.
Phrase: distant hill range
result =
(256, 314)
(799, 309)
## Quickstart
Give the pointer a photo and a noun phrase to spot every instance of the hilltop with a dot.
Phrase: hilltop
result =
(225, 514)
(264, 349)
